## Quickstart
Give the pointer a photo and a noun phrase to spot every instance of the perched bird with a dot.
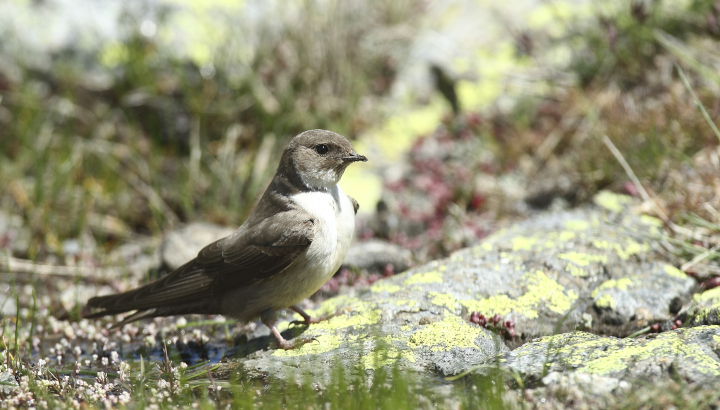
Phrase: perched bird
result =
(290, 245)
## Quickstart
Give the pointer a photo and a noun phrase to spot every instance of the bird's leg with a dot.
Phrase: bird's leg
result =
(268, 318)
(307, 319)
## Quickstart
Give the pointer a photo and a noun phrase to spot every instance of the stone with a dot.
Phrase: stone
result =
(374, 255)
(8, 384)
(550, 274)
(583, 358)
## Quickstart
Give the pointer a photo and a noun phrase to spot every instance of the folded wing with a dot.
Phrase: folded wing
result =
(250, 255)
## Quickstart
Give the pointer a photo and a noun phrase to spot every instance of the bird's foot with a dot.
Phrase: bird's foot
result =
(307, 319)
(295, 343)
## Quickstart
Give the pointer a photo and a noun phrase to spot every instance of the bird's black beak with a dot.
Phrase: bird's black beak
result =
(355, 158)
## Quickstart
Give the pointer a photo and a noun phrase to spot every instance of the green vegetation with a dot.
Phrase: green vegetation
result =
(130, 139)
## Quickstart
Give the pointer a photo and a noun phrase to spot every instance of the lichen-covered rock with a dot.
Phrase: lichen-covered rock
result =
(704, 309)
(377, 330)
(549, 274)
(690, 354)
(546, 273)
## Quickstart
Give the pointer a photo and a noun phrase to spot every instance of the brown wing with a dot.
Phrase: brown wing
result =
(355, 203)
(249, 255)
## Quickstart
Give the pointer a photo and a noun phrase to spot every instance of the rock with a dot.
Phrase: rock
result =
(8, 384)
(374, 255)
(641, 296)
(546, 273)
(183, 244)
(704, 309)
(376, 330)
(597, 385)
(549, 274)
(605, 364)
(14, 235)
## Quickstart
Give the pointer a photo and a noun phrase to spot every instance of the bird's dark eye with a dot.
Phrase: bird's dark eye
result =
(321, 149)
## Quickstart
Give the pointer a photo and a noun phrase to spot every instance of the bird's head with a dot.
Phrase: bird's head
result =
(320, 157)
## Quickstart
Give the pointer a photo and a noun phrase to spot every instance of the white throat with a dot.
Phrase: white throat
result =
(325, 179)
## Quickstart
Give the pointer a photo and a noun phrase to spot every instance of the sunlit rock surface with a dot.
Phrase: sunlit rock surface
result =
(591, 269)
(688, 354)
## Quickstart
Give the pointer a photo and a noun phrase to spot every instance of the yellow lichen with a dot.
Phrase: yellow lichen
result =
(621, 284)
(384, 286)
(385, 355)
(582, 259)
(541, 292)
(412, 305)
(651, 220)
(577, 225)
(605, 301)
(566, 236)
(363, 317)
(612, 202)
(576, 271)
(335, 304)
(443, 299)
(323, 343)
(624, 251)
(449, 333)
(712, 295)
(675, 272)
(427, 277)
(667, 344)
(521, 243)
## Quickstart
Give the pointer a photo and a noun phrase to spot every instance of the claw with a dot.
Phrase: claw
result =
(307, 319)
(295, 343)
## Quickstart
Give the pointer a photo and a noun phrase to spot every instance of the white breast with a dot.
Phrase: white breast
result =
(336, 216)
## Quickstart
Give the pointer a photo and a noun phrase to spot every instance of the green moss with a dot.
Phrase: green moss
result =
(449, 333)
(541, 292)
(427, 277)
(611, 201)
(443, 299)
(675, 272)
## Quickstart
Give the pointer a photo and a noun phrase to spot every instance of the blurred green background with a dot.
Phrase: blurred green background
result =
(132, 118)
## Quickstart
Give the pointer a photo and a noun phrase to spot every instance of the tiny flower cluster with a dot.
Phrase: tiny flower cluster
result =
(495, 324)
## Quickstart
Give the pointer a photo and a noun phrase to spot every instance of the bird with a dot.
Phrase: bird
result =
(291, 243)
